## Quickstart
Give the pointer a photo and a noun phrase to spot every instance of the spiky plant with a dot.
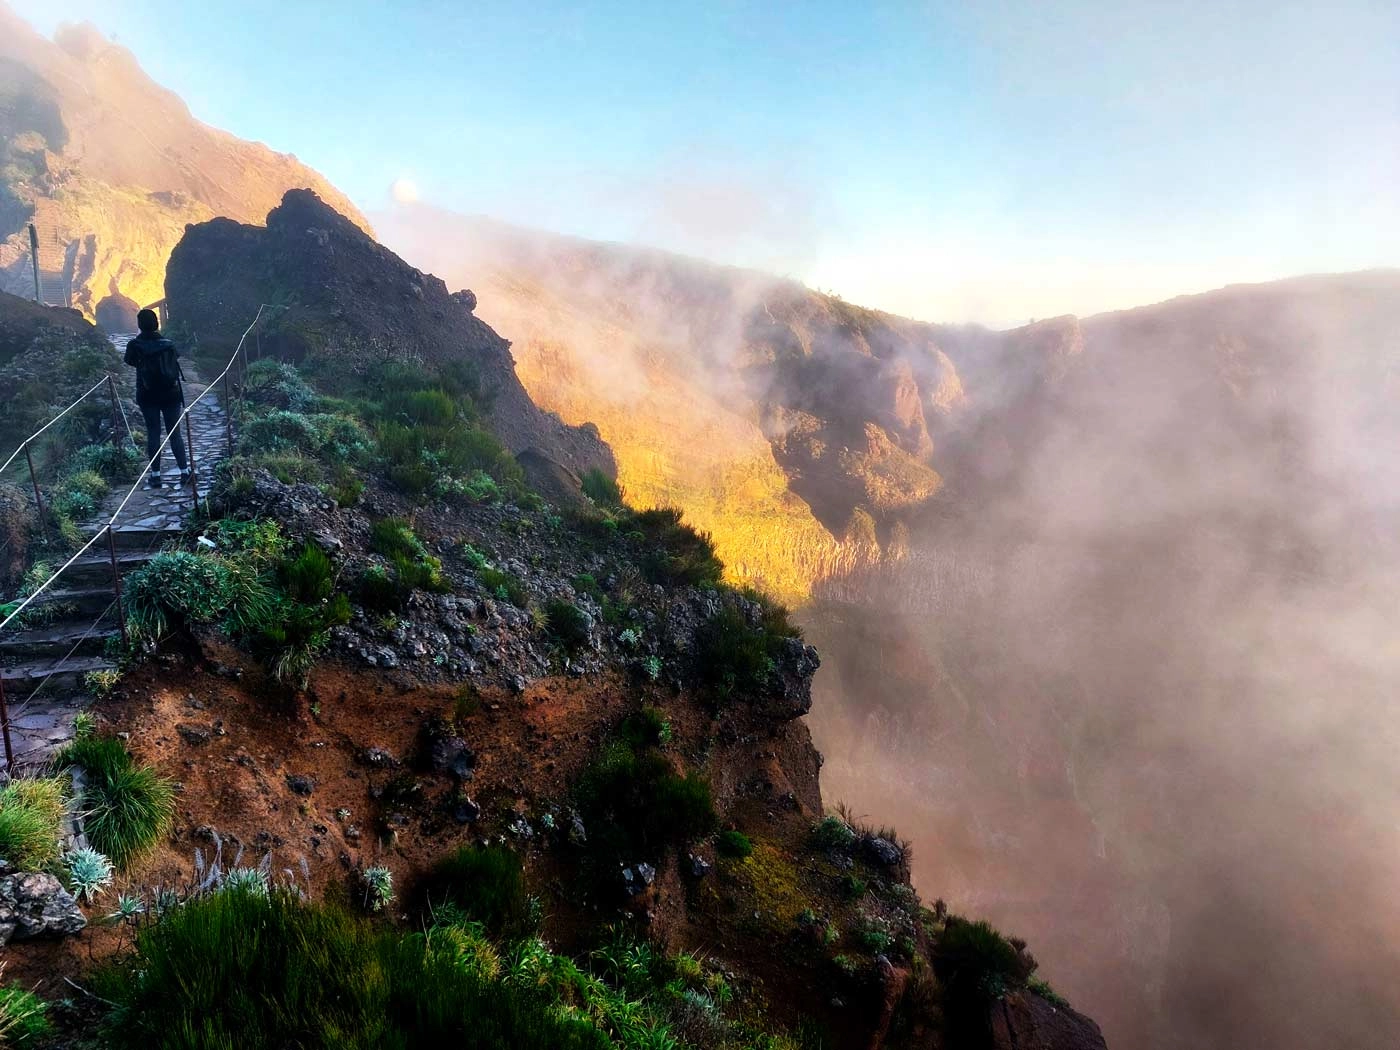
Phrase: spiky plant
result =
(246, 880)
(89, 872)
(379, 887)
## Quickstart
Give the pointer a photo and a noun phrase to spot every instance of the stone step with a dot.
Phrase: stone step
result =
(55, 678)
(140, 538)
(57, 641)
(95, 570)
(41, 727)
(78, 602)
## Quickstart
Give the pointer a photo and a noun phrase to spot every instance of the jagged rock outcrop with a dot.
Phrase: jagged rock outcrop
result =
(338, 292)
(110, 168)
(35, 904)
(1025, 1021)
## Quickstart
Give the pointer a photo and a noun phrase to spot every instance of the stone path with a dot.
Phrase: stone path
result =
(44, 667)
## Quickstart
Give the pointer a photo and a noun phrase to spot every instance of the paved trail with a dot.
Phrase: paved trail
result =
(44, 666)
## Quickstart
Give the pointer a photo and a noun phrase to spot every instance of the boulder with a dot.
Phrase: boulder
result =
(33, 905)
(1025, 1021)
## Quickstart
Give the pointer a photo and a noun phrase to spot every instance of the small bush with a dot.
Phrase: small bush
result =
(675, 553)
(734, 844)
(180, 587)
(504, 586)
(831, 832)
(115, 463)
(734, 658)
(127, 807)
(638, 803)
(24, 1018)
(309, 577)
(272, 384)
(484, 884)
(567, 624)
(976, 964)
(601, 489)
(278, 431)
(31, 821)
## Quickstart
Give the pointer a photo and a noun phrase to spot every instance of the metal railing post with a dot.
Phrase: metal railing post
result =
(228, 415)
(38, 497)
(5, 725)
(117, 431)
(117, 584)
(194, 472)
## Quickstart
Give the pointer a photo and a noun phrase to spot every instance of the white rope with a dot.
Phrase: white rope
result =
(122, 506)
(50, 423)
(126, 423)
(45, 585)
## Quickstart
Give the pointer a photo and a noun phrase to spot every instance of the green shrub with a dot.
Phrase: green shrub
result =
(645, 728)
(24, 1018)
(256, 541)
(390, 536)
(636, 804)
(238, 969)
(114, 463)
(309, 577)
(831, 832)
(181, 587)
(340, 439)
(272, 384)
(567, 624)
(675, 553)
(484, 884)
(127, 807)
(504, 586)
(734, 658)
(31, 822)
(976, 964)
(379, 589)
(734, 844)
(278, 431)
(601, 489)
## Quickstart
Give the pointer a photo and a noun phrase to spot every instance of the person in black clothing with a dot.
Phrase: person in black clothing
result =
(158, 392)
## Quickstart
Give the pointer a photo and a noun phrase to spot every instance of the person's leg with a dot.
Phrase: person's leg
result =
(177, 439)
(151, 414)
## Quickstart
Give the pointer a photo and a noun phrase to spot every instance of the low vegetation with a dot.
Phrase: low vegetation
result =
(127, 807)
(635, 803)
(266, 971)
(24, 1018)
(31, 822)
(482, 884)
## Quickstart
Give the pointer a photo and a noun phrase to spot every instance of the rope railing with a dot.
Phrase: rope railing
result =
(72, 405)
(106, 529)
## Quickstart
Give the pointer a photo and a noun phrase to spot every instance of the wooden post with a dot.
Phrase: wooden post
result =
(116, 582)
(38, 497)
(5, 725)
(228, 415)
(118, 433)
(189, 451)
(34, 257)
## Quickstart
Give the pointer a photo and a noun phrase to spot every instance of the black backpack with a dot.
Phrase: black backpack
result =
(159, 369)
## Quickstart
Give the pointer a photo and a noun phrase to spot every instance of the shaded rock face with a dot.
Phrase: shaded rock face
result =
(352, 296)
(36, 905)
(1025, 1021)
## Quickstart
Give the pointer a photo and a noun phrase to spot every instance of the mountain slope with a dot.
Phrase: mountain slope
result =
(110, 168)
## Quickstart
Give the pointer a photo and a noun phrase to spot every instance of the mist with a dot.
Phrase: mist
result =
(1126, 680)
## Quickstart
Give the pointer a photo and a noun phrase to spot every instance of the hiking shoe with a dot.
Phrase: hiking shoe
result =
(185, 476)
(153, 480)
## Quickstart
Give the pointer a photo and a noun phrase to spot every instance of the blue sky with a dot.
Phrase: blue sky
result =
(992, 161)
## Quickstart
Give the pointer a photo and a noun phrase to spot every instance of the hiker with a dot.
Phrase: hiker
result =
(158, 392)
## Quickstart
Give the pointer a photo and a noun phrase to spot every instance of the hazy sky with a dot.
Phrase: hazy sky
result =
(987, 161)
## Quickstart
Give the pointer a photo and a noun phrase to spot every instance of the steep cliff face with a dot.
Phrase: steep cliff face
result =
(110, 168)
